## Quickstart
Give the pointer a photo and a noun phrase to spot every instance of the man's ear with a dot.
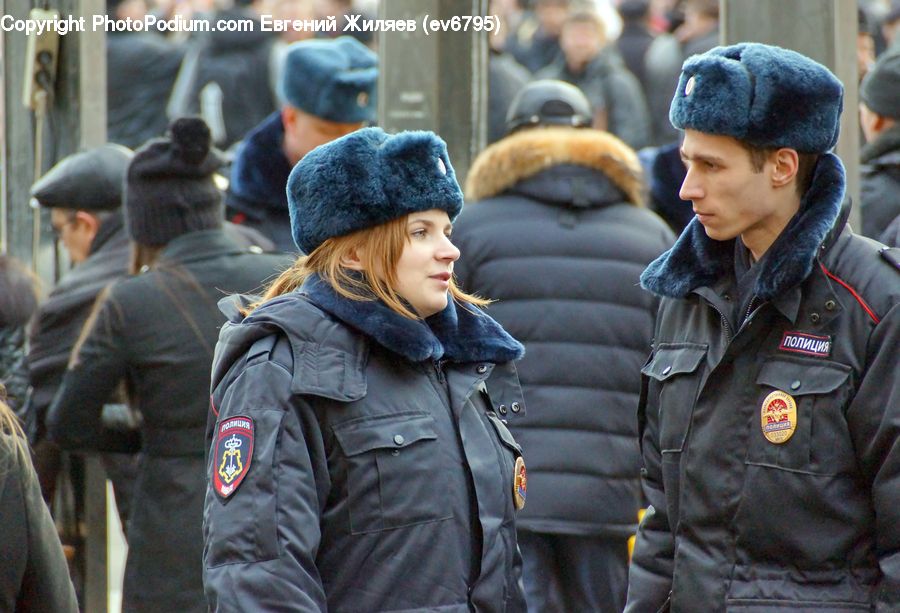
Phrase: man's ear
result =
(288, 117)
(353, 260)
(785, 164)
(88, 222)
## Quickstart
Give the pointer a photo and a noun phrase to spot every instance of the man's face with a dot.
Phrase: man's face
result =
(304, 132)
(580, 42)
(730, 199)
(75, 231)
(868, 121)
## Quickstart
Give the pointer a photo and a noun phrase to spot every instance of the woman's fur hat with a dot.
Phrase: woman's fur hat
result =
(762, 95)
(367, 178)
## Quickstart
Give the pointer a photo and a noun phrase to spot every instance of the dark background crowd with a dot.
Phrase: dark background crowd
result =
(625, 58)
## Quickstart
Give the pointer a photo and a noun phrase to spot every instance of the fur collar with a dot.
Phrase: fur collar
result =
(458, 334)
(697, 260)
(260, 171)
(525, 154)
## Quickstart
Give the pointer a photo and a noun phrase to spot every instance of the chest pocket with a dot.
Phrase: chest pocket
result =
(676, 369)
(820, 442)
(393, 471)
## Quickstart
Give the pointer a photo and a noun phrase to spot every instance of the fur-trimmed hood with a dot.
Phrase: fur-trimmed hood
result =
(524, 155)
(697, 260)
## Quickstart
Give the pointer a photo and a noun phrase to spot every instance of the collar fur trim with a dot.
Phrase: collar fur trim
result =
(458, 333)
(524, 154)
(697, 260)
(260, 171)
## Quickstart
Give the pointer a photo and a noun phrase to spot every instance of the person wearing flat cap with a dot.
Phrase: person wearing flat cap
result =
(84, 195)
(359, 459)
(770, 409)
(879, 117)
(328, 88)
(155, 331)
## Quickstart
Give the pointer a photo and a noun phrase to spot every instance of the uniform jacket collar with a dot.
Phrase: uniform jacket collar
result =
(457, 333)
(697, 260)
(260, 172)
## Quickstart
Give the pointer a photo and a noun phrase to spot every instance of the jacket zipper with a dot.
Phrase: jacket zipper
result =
(439, 371)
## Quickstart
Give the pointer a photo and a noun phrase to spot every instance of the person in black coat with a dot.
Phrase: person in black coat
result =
(879, 112)
(154, 332)
(18, 301)
(359, 459)
(33, 576)
(557, 233)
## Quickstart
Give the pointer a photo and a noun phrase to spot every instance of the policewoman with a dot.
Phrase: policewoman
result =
(771, 406)
(358, 460)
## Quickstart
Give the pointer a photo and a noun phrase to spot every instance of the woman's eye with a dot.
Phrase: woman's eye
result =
(419, 233)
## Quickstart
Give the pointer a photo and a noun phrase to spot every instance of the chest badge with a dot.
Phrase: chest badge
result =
(233, 453)
(779, 417)
(520, 484)
(807, 344)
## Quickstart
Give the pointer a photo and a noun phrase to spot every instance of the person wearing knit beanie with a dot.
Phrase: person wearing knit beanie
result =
(170, 189)
(879, 117)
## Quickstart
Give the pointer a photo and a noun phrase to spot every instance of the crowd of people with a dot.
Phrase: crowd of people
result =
(647, 367)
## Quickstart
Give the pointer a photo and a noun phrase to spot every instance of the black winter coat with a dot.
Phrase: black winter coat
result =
(156, 332)
(60, 318)
(33, 575)
(770, 436)
(879, 176)
(377, 474)
(556, 237)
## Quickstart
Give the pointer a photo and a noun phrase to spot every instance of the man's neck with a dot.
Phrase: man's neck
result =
(760, 237)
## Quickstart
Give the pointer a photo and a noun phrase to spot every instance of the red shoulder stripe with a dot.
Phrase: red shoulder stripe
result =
(853, 292)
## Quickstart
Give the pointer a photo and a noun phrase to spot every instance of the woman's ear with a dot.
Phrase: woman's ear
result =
(786, 163)
(353, 259)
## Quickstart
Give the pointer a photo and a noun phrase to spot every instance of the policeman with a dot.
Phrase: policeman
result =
(329, 90)
(771, 404)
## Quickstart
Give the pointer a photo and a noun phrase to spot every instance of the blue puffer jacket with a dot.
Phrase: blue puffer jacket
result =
(555, 237)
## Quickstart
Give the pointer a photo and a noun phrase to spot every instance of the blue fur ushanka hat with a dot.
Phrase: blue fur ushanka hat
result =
(332, 79)
(367, 178)
(763, 95)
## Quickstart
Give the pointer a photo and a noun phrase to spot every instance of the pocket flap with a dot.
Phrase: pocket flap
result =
(384, 432)
(505, 435)
(796, 378)
(670, 360)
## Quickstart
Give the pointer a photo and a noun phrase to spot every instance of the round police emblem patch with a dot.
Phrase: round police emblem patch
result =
(778, 417)
(233, 453)
(520, 483)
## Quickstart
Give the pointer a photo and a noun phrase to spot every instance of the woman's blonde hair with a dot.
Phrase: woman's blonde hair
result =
(10, 428)
(380, 248)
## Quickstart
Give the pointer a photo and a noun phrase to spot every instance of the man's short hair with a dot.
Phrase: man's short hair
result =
(806, 164)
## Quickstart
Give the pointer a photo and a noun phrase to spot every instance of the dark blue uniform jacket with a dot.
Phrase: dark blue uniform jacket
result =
(381, 476)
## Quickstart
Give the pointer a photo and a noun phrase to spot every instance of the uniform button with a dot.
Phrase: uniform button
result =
(516, 407)
(398, 439)
(667, 370)
(502, 409)
(481, 369)
(829, 305)
(795, 384)
(815, 317)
